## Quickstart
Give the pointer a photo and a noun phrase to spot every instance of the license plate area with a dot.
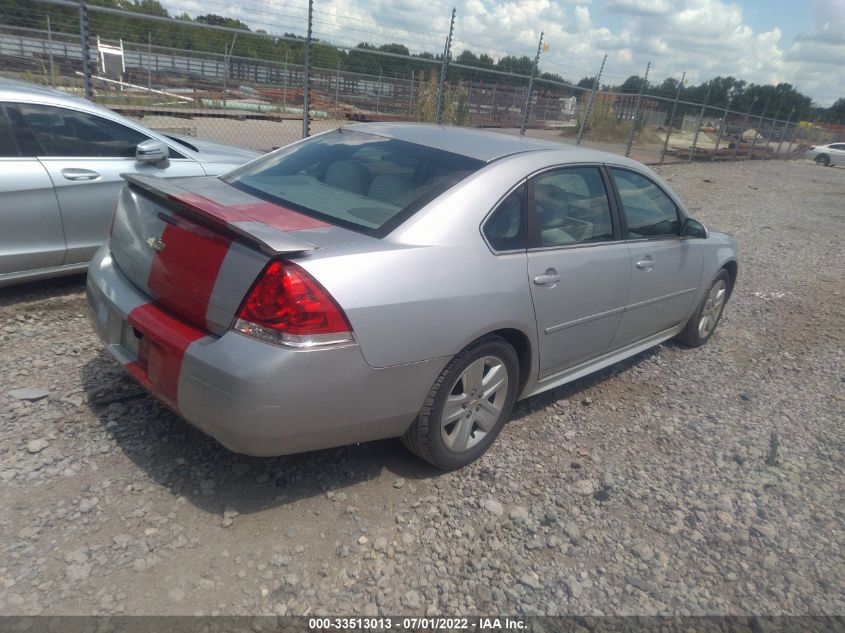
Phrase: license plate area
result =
(130, 339)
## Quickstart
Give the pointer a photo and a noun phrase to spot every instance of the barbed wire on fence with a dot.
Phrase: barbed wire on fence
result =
(260, 88)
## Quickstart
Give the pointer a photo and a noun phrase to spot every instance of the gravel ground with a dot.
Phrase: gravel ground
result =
(681, 481)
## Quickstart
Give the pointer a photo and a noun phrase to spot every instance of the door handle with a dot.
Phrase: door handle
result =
(550, 277)
(646, 264)
(79, 175)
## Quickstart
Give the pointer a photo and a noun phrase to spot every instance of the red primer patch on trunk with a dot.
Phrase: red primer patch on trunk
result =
(183, 273)
(268, 213)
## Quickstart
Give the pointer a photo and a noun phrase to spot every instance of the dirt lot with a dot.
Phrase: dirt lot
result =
(681, 481)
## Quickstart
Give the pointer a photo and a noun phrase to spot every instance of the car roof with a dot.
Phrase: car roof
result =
(478, 143)
(11, 89)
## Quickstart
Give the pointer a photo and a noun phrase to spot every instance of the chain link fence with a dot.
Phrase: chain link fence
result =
(250, 88)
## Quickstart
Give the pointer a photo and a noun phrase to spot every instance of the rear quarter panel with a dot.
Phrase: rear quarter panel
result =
(408, 303)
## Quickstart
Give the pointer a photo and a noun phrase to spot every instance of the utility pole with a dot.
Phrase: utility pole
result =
(633, 128)
(672, 118)
(783, 133)
(306, 90)
(526, 111)
(50, 44)
(411, 94)
(86, 49)
(589, 105)
(149, 62)
(744, 123)
(227, 55)
(772, 128)
(378, 94)
(757, 131)
(698, 123)
(447, 51)
(337, 89)
(731, 94)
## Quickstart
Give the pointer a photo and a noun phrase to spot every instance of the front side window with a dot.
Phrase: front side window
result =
(505, 228)
(64, 132)
(571, 207)
(649, 212)
(362, 181)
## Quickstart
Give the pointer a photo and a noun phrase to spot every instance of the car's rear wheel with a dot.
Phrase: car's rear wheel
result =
(823, 159)
(467, 406)
(707, 315)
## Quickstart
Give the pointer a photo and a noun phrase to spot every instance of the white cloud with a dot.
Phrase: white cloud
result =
(705, 38)
(581, 22)
(641, 7)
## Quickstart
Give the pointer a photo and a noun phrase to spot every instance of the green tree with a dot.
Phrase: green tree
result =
(587, 82)
(631, 85)
(836, 112)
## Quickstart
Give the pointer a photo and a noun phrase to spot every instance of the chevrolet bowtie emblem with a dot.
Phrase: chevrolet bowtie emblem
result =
(156, 244)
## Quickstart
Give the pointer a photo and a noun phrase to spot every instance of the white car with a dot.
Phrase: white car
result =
(831, 154)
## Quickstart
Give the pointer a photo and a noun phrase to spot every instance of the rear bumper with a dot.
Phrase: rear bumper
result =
(254, 398)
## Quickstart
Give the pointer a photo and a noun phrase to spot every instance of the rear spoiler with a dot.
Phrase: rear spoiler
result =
(237, 218)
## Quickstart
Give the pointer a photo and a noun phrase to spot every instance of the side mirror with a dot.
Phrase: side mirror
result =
(151, 151)
(693, 228)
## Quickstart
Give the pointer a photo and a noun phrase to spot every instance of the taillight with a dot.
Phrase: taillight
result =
(287, 306)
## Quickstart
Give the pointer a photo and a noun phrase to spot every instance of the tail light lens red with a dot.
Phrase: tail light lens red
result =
(287, 306)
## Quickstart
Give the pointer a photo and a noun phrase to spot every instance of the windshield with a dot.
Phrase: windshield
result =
(182, 142)
(365, 182)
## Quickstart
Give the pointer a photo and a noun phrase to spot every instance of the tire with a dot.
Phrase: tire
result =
(473, 426)
(823, 159)
(698, 331)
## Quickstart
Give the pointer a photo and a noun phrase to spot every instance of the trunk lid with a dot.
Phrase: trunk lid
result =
(196, 245)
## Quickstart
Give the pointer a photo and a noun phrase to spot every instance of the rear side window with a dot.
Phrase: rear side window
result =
(505, 228)
(25, 139)
(8, 145)
(65, 132)
(362, 181)
(572, 207)
(649, 212)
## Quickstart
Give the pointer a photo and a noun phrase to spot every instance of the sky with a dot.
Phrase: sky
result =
(763, 41)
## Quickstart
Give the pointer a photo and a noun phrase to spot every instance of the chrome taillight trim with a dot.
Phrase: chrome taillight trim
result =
(294, 341)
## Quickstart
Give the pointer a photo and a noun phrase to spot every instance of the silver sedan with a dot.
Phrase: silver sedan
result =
(60, 163)
(404, 280)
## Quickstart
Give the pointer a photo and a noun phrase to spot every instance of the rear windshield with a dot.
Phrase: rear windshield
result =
(364, 182)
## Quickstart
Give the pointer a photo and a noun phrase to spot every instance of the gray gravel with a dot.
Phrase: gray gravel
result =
(681, 481)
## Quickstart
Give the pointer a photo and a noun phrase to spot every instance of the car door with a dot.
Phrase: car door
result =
(579, 269)
(85, 153)
(837, 154)
(665, 268)
(31, 235)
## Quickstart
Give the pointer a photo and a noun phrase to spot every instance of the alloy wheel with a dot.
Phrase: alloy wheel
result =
(712, 309)
(474, 404)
